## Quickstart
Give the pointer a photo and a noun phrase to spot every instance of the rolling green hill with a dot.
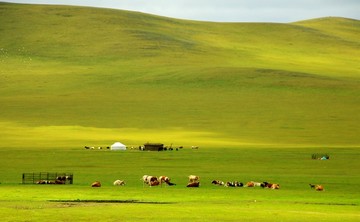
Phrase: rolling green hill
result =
(72, 76)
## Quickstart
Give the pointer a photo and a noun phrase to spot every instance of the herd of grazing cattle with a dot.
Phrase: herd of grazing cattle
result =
(58, 180)
(194, 181)
(274, 186)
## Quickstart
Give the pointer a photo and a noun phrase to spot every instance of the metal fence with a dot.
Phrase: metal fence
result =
(47, 178)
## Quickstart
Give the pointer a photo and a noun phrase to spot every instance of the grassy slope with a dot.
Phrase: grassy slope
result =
(85, 75)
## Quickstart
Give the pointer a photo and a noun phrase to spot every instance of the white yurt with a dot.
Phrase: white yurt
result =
(118, 146)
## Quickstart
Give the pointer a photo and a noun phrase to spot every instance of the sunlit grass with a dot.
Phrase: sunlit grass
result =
(84, 75)
(14, 135)
(292, 167)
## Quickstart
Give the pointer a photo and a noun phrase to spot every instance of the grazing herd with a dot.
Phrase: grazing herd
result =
(58, 180)
(194, 181)
(274, 186)
(155, 181)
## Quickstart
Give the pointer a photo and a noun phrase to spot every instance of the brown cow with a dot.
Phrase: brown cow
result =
(317, 187)
(274, 186)
(193, 184)
(59, 182)
(96, 184)
(154, 183)
(250, 184)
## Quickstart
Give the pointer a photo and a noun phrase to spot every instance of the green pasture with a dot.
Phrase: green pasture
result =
(257, 98)
(87, 76)
(292, 168)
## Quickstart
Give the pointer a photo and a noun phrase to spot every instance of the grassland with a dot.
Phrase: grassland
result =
(84, 76)
(292, 168)
(258, 98)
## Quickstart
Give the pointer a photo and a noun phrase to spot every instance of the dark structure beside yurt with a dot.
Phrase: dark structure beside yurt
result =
(153, 147)
(320, 156)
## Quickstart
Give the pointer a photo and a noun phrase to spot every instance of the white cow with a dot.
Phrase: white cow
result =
(119, 183)
(193, 178)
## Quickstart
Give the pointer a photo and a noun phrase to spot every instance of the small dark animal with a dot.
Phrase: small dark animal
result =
(59, 181)
(218, 182)
(193, 184)
(154, 183)
(41, 182)
(234, 184)
(61, 178)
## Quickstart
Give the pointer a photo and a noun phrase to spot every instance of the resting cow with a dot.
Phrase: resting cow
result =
(317, 187)
(193, 184)
(274, 186)
(119, 183)
(218, 182)
(233, 184)
(250, 184)
(59, 182)
(96, 184)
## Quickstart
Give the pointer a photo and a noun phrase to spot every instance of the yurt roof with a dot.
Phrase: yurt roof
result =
(118, 144)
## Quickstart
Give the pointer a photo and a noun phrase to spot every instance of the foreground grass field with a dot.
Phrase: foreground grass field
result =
(293, 168)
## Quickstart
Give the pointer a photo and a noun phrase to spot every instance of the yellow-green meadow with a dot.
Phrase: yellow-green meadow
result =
(258, 99)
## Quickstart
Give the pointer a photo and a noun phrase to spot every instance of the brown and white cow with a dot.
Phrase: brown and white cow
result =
(150, 180)
(274, 186)
(253, 184)
(165, 179)
(317, 187)
(218, 182)
(96, 184)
